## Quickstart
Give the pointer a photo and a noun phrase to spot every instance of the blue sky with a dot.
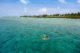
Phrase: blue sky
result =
(38, 7)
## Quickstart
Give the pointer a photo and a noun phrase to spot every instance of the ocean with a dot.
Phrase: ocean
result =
(25, 35)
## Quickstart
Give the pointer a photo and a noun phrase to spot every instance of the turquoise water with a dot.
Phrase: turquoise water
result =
(24, 35)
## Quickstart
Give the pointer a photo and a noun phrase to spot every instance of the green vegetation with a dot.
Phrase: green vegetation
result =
(70, 15)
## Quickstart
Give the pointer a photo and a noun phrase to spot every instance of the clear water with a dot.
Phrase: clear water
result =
(24, 35)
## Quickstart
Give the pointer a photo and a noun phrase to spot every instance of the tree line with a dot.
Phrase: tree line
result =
(68, 15)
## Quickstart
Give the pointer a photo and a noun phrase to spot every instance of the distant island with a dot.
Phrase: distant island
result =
(69, 15)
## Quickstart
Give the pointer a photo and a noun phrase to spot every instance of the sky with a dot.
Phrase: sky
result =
(38, 7)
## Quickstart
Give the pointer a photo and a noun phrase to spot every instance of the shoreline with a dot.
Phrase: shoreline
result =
(52, 17)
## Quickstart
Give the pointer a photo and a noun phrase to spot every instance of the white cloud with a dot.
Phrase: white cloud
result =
(78, 1)
(25, 1)
(44, 10)
(25, 10)
(63, 1)
(49, 11)
(57, 10)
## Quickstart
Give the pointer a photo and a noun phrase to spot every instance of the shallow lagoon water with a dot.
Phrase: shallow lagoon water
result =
(24, 35)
